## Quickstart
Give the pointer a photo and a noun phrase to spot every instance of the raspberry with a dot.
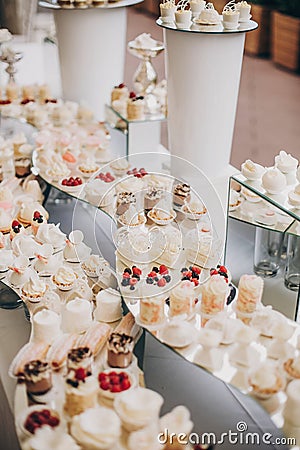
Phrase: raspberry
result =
(162, 282)
(121, 86)
(105, 385)
(214, 272)
(126, 275)
(163, 270)
(152, 274)
(15, 224)
(196, 269)
(116, 388)
(223, 269)
(125, 384)
(136, 271)
(80, 374)
(132, 94)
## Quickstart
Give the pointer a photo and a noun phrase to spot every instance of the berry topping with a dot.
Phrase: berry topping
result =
(80, 374)
(152, 274)
(71, 182)
(122, 85)
(167, 278)
(163, 270)
(132, 94)
(223, 269)
(106, 177)
(214, 272)
(36, 215)
(37, 419)
(15, 224)
(114, 381)
(128, 270)
(155, 269)
(136, 271)
(162, 282)
(126, 275)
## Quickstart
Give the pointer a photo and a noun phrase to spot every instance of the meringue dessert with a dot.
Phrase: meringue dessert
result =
(46, 263)
(244, 9)
(132, 217)
(76, 250)
(138, 407)
(177, 333)
(64, 278)
(167, 11)
(265, 381)
(77, 316)
(33, 289)
(209, 16)
(285, 162)
(46, 326)
(294, 197)
(99, 193)
(145, 439)
(108, 306)
(6, 259)
(120, 166)
(274, 181)
(51, 234)
(182, 299)
(97, 429)
(252, 171)
(19, 271)
(230, 16)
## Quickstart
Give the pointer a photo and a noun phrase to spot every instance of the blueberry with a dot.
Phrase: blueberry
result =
(125, 282)
(149, 280)
(132, 288)
(184, 278)
(167, 278)
(135, 275)
(40, 220)
(184, 270)
(127, 270)
(155, 279)
(223, 274)
(232, 294)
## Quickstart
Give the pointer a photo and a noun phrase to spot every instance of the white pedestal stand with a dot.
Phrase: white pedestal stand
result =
(203, 74)
(92, 45)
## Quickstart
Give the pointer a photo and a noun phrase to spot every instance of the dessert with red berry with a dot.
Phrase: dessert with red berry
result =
(224, 272)
(81, 391)
(41, 417)
(106, 177)
(119, 92)
(16, 229)
(37, 221)
(152, 307)
(71, 183)
(138, 173)
(112, 382)
(182, 299)
(159, 276)
(192, 273)
(130, 277)
(135, 107)
(119, 350)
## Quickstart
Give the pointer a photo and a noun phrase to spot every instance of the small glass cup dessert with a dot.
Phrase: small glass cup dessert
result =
(230, 16)
(244, 9)
(197, 6)
(80, 357)
(181, 194)
(119, 350)
(38, 377)
(183, 16)
(167, 11)
(124, 200)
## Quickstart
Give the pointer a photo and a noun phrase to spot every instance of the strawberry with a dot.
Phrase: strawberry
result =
(15, 224)
(223, 269)
(105, 385)
(114, 379)
(162, 282)
(103, 376)
(196, 270)
(195, 281)
(152, 274)
(136, 271)
(163, 270)
(125, 384)
(80, 374)
(116, 388)
(214, 272)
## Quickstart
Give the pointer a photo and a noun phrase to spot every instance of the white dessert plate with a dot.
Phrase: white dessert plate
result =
(179, 341)
(245, 20)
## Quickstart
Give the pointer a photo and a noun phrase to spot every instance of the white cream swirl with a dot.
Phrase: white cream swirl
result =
(64, 275)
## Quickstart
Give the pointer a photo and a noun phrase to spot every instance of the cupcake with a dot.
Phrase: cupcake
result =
(285, 162)
(80, 392)
(64, 278)
(230, 16)
(119, 350)
(33, 289)
(38, 378)
(167, 11)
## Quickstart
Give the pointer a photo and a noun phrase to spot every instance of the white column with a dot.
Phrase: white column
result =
(92, 45)
(203, 73)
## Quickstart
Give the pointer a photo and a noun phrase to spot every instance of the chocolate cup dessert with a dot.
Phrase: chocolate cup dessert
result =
(181, 194)
(151, 198)
(124, 200)
(80, 357)
(119, 350)
(38, 377)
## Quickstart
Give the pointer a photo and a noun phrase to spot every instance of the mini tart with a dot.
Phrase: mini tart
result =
(64, 286)
(86, 171)
(187, 210)
(154, 214)
(290, 370)
(33, 297)
(268, 391)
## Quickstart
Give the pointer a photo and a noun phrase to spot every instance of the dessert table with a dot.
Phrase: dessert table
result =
(92, 46)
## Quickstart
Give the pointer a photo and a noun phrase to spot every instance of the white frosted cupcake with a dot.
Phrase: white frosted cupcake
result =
(167, 11)
(34, 289)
